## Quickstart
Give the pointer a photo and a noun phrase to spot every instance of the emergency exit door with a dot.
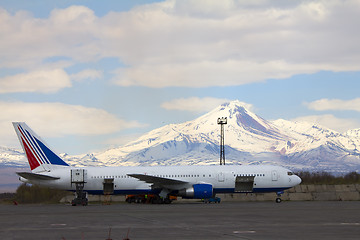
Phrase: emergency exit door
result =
(274, 175)
(221, 177)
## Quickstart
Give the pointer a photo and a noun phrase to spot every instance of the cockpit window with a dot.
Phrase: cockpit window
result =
(290, 173)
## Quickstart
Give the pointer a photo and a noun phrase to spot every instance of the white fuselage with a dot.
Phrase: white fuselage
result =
(223, 178)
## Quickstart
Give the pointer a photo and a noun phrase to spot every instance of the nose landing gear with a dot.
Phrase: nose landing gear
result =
(278, 199)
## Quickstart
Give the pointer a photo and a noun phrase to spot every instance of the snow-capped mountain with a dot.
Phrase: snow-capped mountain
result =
(249, 139)
(11, 157)
(197, 141)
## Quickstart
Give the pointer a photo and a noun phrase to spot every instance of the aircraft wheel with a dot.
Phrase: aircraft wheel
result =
(278, 200)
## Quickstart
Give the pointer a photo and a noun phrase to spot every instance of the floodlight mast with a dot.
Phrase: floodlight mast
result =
(221, 122)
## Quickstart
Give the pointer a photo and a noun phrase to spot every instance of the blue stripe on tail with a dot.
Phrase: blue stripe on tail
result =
(52, 157)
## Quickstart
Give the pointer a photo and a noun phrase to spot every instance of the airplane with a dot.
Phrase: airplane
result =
(195, 182)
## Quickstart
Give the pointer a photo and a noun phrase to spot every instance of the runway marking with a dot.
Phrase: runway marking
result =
(244, 231)
(350, 224)
(58, 224)
(343, 224)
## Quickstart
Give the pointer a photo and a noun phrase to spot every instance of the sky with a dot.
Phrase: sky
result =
(91, 75)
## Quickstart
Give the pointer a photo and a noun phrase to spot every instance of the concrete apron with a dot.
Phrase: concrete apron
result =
(301, 192)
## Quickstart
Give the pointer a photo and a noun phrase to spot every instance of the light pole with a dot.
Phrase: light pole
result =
(222, 121)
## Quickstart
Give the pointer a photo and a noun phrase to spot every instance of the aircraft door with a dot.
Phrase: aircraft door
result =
(244, 184)
(274, 175)
(221, 177)
(108, 186)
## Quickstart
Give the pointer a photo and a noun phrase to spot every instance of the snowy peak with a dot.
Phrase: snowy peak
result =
(238, 115)
(11, 157)
(255, 124)
(245, 131)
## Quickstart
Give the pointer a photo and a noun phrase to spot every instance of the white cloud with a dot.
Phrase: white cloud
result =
(207, 73)
(193, 43)
(44, 81)
(335, 104)
(90, 74)
(195, 104)
(330, 121)
(58, 120)
(28, 42)
(202, 44)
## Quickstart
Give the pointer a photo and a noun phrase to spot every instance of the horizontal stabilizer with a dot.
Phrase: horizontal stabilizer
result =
(156, 180)
(35, 176)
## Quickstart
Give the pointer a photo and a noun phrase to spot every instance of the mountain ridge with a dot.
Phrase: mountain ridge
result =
(249, 139)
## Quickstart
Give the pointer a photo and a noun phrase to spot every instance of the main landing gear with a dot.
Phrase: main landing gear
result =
(278, 199)
(81, 198)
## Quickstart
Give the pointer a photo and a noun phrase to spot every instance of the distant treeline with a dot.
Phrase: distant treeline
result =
(327, 178)
(26, 193)
(7, 196)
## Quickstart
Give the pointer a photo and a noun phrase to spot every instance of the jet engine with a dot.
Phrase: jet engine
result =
(198, 191)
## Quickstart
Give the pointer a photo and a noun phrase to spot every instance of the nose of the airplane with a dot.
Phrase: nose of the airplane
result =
(296, 180)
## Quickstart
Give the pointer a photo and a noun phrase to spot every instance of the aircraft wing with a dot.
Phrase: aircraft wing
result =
(34, 176)
(157, 180)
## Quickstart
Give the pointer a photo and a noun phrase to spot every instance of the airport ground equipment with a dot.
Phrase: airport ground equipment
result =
(78, 177)
(212, 200)
(149, 198)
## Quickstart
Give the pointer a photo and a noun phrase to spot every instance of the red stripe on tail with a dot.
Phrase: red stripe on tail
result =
(31, 158)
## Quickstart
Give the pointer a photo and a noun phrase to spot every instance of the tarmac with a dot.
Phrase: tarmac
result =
(183, 220)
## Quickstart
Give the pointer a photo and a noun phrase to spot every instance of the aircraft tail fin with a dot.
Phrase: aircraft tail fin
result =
(40, 157)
